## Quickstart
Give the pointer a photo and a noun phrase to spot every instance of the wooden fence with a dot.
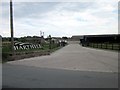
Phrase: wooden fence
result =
(111, 46)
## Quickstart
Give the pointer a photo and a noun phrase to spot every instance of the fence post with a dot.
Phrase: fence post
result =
(112, 46)
(106, 45)
(101, 45)
(93, 45)
(97, 45)
(119, 46)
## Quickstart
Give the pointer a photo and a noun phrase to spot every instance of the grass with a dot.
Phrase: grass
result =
(6, 50)
(52, 50)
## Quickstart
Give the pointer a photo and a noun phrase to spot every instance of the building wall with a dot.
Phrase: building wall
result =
(101, 39)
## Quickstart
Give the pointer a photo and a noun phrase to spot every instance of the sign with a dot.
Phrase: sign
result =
(25, 46)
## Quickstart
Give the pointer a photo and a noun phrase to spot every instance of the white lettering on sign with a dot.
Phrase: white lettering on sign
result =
(16, 48)
(20, 47)
(24, 46)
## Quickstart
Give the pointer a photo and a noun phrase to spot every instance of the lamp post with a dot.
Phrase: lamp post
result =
(11, 27)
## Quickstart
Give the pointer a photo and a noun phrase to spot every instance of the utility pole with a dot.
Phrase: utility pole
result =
(43, 34)
(11, 27)
(40, 33)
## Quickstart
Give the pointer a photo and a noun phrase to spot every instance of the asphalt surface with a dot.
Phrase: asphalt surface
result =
(70, 67)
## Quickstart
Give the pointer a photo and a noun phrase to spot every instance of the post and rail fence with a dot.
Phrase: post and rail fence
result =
(110, 46)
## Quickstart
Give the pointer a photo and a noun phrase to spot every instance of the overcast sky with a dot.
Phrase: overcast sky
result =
(60, 18)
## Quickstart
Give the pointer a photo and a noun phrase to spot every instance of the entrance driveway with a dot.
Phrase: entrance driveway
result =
(72, 66)
(75, 57)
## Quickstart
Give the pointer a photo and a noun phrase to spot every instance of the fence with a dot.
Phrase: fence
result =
(111, 46)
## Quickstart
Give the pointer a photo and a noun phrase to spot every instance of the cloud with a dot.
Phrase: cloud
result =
(61, 18)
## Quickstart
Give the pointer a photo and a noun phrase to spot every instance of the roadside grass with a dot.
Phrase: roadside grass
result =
(6, 50)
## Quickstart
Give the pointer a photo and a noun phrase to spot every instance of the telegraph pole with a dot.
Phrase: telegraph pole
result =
(40, 33)
(43, 34)
(11, 27)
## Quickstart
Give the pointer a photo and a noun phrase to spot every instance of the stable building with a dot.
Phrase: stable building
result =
(108, 38)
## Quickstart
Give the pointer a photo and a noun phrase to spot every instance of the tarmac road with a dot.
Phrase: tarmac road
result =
(73, 66)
